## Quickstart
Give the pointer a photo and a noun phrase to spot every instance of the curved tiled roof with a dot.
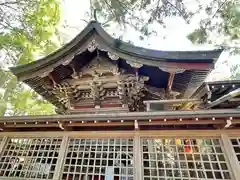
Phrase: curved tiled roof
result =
(143, 55)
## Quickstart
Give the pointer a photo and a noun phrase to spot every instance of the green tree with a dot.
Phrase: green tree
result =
(27, 29)
(140, 14)
(222, 28)
(222, 23)
(219, 24)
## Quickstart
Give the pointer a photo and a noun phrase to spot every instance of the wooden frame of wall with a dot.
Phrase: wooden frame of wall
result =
(223, 135)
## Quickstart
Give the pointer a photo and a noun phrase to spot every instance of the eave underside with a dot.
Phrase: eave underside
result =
(224, 94)
(184, 83)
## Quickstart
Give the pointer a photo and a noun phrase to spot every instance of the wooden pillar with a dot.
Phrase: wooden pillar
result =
(60, 162)
(148, 107)
(230, 154)
(137, 158)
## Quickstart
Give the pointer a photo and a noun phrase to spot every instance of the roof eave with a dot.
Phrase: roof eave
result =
(115, 45)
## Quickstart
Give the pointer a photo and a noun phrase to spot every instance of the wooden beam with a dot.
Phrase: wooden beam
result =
(98, 124)
(70, 124)
(31, 125)
(169, 101)
(219, 113)
(74, 124)
(121, 134)
(170, 81)
(178, 122)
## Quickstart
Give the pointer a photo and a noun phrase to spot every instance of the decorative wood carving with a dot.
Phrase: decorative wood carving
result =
(134, 64)
(67, 61)
(101, 80)
(62, 93)
(93, 45)
(97, 92)
(99, 66)
(131, 92)
(113, 56)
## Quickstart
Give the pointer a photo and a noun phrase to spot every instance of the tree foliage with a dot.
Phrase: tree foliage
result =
(140, 14)
(235, 72)
(219, 24)
(219, 17)
(221, 27)
(26, 31)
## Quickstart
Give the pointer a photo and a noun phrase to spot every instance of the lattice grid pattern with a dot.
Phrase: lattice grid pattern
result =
(236, 145)
(97, 159)
(183, 159)
(32, 158)
(1, 138)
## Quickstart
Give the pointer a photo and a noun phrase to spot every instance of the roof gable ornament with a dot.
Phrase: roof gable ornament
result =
(113, 56)
(94, 45)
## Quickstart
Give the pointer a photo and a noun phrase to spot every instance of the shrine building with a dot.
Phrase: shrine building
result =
(124, 113)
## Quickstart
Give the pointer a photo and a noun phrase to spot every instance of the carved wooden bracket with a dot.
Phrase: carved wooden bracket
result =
(67, 61)
(134, 64)
(113, 56)
(130, 92)
(93, 45)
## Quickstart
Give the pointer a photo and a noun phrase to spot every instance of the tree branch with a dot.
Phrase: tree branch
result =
(214, 14)
(220, 7)
(155, 12)
(10, 2)
(178, 10)
(127, 10)
(109, 6)
(227, 46)
(10, 7)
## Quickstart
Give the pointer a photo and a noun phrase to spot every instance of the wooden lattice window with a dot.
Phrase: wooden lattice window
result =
(32, 158)
(96, 159)
(1, 138)
(236, 145)
(183, 159)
